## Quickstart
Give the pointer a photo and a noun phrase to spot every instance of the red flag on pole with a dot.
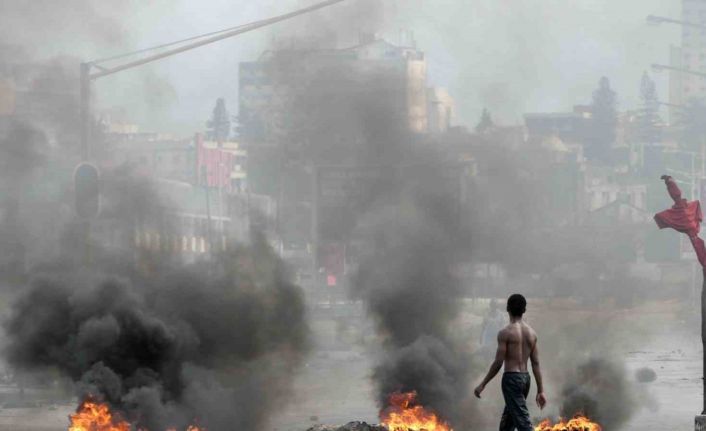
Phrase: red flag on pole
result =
(684, 217)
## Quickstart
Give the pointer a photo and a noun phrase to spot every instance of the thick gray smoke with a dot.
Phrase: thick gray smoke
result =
(407, 215)
(408, 284)
(30, 23)
(601, 390)
(216, 347)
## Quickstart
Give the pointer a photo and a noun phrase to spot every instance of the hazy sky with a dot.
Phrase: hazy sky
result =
(512, 56)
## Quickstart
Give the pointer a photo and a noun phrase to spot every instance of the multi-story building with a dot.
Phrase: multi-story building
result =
(691, 55)
(201, 184)
(570, 127)
(263, 88)
(440, 110)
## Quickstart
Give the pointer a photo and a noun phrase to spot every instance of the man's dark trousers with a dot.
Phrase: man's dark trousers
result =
(516, 387)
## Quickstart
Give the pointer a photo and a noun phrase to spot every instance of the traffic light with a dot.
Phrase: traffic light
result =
(87, 191)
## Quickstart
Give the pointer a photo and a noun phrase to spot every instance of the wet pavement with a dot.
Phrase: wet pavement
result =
(675, 397)
(334, 386)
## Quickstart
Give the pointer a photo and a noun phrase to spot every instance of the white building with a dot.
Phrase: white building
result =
(440, 110)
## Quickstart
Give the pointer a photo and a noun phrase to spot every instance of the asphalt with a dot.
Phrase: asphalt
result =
(334, 386)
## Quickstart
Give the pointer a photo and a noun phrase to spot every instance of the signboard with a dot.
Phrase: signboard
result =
(214, 165)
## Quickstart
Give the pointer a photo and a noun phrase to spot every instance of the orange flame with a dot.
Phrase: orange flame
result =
(578, 423)
(403, 414)
(93, 416)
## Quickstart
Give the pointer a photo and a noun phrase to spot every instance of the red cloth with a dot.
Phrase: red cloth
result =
(684, 217)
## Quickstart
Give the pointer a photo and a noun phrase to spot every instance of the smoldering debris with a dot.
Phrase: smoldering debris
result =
(190, 344)
(351, 426)
(436, 370)
(601, 390)
(645, 375)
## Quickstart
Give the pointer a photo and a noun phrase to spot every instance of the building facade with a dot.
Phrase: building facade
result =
(691, 55)
(266, 84)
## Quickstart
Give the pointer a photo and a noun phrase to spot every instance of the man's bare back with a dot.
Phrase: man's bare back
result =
(520, 340)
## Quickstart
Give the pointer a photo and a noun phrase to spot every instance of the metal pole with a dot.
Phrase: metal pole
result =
(85, 110)
(315, 191)
(660, 20)
(703, 157)
(660, 67)
(208, 220)
(244, 29)
(703, 338)
(202, 180)
(85, 125)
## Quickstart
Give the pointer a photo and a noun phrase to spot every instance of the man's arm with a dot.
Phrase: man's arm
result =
(496, 365)
(537, 371)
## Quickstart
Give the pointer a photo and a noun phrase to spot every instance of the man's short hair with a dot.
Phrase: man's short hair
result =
(516, 305)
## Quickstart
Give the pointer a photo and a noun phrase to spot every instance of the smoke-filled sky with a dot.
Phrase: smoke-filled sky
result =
(512, 56)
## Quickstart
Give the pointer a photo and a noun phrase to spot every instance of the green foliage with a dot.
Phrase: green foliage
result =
(601, 136)
(648, 119)
(486, 122)
(219, 124)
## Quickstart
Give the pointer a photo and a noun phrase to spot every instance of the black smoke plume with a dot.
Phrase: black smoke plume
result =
(407, 215)
(408, 284)
(194, 344)
(601, 390)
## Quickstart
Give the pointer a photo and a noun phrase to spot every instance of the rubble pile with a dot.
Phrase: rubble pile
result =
(350, 426)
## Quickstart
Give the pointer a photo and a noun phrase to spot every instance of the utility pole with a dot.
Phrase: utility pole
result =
(661, 67)
(700, 421)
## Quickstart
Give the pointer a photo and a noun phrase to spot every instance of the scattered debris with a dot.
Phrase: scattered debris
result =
(645, 375)
(350, 426)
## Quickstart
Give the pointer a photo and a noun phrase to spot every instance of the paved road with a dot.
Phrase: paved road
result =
(335, 387)
(675, 354)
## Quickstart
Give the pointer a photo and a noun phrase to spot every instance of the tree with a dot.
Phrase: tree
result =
(219, 124)
(648, 119)
(486, 122)
(601, 136)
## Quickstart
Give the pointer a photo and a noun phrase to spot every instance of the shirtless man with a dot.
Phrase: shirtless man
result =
(517, 343)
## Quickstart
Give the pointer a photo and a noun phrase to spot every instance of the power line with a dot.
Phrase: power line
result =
(220, 35)
(177, 42)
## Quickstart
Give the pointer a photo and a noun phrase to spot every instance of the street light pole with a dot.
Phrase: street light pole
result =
(660, 67)
(87, 77)
(85, 106)
(652, 19)
(700, 422)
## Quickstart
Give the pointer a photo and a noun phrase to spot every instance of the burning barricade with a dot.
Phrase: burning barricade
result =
(578, 423)
(404, 413)
(97, 416)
